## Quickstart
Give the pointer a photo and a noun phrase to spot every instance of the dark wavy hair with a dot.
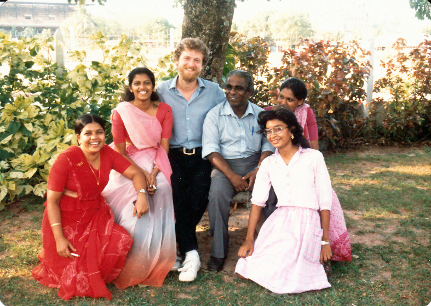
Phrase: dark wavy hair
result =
(85, 119)
(297, 87)
(287, 117)
(128, 95)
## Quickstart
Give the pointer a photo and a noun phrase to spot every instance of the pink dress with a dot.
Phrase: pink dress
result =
(338, 235)
(287, 250)
(154, 246)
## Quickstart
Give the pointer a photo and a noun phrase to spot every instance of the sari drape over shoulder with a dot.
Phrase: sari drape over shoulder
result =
(88, 223)
(145, 133)
(154, 250)
(301, 115)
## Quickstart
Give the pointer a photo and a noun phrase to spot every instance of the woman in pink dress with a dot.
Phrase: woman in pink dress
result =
(293, 93)
(141, 128)
(83, 249)
(293, 243)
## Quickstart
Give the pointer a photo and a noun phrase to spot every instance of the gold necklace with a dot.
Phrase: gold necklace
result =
(97, 179)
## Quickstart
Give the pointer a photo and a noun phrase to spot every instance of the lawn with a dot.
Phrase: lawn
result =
(386, 197)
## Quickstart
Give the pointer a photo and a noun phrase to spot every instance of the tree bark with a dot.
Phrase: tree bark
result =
(211, 21)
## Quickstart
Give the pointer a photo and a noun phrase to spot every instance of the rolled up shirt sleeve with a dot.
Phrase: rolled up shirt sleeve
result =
(210, 135)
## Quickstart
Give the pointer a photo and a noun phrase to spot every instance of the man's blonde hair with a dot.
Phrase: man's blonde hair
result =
(192, 44)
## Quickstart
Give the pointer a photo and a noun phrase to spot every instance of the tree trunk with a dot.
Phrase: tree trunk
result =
(211, 21)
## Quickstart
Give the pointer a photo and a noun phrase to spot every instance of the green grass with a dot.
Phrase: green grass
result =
(386, 198)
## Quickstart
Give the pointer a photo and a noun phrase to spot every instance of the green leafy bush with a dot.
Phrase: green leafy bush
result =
(40, 103)
(407, 82)
(252, 55)
(335, 75)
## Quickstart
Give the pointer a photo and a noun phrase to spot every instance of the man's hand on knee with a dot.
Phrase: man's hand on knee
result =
(239, 183)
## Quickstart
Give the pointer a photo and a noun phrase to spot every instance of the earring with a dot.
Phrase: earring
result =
(292, 136)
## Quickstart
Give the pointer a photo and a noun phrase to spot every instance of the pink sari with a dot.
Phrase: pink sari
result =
(154, 249)
(301, 115)
(338, 235)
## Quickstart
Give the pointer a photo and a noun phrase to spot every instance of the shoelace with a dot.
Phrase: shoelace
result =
(187, 264)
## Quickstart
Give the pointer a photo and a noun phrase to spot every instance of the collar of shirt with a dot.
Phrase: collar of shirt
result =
(173, 83)
(294, 158)
(228, 111)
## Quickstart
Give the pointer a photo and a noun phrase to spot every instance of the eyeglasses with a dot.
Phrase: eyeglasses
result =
(237, 88)
(275, 130)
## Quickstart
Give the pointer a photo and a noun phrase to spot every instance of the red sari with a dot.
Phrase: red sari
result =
(88, 223)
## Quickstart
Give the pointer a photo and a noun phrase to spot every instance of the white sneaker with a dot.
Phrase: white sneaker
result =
(177, 264)
(190, 267)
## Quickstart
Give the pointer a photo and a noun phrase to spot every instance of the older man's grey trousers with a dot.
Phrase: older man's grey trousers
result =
(220, 197)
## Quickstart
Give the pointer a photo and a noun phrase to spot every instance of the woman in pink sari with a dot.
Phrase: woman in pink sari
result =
(292, 94)
(141, 129)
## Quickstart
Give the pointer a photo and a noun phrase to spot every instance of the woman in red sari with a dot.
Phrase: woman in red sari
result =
(83, 249)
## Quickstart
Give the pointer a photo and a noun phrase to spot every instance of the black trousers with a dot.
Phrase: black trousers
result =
(191, 180)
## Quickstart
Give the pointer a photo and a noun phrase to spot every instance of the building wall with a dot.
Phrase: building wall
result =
(38, 15)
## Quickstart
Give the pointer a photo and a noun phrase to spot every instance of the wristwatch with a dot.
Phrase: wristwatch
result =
(142, 191)
(325, 242)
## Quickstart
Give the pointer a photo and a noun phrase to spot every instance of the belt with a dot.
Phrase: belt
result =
(186, 151)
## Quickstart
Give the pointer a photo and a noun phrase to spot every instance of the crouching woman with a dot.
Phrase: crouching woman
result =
(83, 249)
(292, 245)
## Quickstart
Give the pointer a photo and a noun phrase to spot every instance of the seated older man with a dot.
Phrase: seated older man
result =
(231, 143)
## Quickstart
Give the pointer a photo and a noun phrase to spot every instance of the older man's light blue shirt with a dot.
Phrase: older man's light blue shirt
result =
(231, 136)
(189, 116)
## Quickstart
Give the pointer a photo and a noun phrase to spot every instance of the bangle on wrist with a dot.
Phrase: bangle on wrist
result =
(142, 191)
(257, 168)
(325, 242)
(54, 224)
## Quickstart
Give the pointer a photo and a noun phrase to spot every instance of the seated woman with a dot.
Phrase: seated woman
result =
(142, 128)
(83, 248)
(292, 245)
(293, 93)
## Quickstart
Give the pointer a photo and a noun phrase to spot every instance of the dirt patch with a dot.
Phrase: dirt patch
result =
(184, 296)
(422, 237)
(379, 150)
(238, 222)
(20, 218)
(366, 233)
